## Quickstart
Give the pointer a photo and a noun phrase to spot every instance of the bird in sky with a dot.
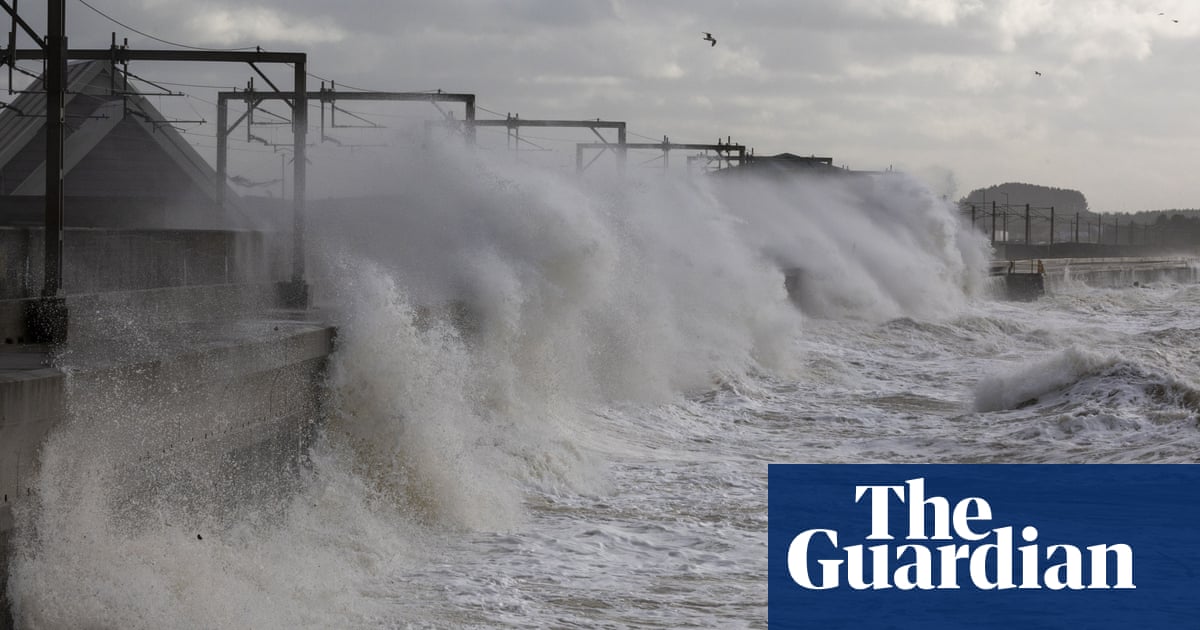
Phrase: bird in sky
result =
(709, 38)
(1037, 73)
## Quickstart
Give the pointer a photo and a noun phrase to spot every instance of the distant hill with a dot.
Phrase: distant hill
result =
(1063, 200)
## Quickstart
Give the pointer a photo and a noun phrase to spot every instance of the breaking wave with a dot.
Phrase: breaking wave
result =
(487, 308)
(500, 329)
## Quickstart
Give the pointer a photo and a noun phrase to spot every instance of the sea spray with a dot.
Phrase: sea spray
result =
(113, 538)
(492, 316)
(872, 246)
(403, 397)
(487, 306)
(488, 382)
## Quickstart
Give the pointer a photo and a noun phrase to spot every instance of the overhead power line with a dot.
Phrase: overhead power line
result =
(157, 39)
(317, 76)
(643, 137)
(484, 109)
(193, 85)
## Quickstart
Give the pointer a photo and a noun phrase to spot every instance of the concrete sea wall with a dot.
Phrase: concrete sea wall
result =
(181, 372)
(224, 419)
(1118, 272)
(98, 259)
(1021, 251)
(1019, 278)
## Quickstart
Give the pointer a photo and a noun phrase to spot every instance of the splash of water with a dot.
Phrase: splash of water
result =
(486, 310)
(486, 307)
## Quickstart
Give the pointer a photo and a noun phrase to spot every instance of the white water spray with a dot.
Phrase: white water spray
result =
(486, 312)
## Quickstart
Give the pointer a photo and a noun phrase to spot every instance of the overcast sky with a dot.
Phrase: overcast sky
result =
(945, 89)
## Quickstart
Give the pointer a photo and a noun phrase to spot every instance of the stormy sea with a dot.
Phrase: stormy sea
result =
(553, 402)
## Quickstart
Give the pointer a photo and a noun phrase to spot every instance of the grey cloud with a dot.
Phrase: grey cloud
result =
(869, 82)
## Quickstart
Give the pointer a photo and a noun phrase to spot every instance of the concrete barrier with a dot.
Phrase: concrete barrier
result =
(1045, 251)
(1099, 272)
(222, 413)
(98, 260)
(1123, 272)
(1024, 286)
(31, 403)
(173, 328)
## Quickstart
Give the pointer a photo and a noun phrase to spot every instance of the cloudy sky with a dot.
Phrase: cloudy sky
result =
(945, 89)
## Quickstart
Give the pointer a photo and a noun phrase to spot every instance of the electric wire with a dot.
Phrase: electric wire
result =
(634, 133)
(317, 76)
(484, 109)
(158, 39)
(192, 85)
(25, 72)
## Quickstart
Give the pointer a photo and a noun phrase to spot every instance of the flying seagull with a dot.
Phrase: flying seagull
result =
(1037, 73)
(709, 38)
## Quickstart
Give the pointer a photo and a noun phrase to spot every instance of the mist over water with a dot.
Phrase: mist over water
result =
(553, 402)
(487, 309)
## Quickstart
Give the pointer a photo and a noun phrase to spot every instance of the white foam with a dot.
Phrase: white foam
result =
(485, 311)
(1023, 382)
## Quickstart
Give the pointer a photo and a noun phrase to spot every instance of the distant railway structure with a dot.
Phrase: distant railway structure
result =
(512, 124)
(51, 94)
(325, 96)
(724, 154)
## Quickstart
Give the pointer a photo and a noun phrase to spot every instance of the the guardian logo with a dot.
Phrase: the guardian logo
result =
(949, 546)
(983, 546)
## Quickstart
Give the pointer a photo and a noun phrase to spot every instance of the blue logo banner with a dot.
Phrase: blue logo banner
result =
(984, 546)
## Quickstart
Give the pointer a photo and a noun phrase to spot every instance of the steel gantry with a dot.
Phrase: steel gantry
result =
(253, 98)
(513, 123)
(726, 152)
(49, 322)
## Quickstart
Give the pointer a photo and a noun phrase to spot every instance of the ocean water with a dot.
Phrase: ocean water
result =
(553, 403)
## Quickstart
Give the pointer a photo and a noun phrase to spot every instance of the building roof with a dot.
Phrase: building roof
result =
(118, 146)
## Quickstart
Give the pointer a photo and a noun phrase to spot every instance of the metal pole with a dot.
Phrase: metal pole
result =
(470, 116)
(299, 180)
(56, 76)
(1027, 230)
(1051, 225)
(1076, 227)
(222, 149)
(621, 149)
(46, 317)
(993, 222)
